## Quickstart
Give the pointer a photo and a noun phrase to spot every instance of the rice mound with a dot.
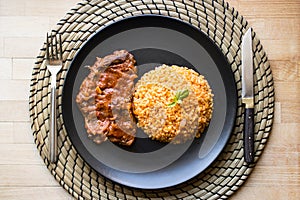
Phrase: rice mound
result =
(157, 88)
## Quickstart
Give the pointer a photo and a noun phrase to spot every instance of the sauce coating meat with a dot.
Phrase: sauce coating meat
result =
(104, 99)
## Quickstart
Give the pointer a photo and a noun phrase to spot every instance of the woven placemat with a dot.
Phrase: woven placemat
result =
(224, 25)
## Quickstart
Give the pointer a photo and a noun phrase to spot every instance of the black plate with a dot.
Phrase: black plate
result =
(154, 40)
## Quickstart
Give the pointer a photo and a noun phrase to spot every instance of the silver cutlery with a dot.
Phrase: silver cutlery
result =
(248, 96)
(54, 65)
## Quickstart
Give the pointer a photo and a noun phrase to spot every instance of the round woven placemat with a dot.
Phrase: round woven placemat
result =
(224, 25)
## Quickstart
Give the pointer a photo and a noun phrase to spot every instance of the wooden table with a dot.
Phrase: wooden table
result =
(23, 27)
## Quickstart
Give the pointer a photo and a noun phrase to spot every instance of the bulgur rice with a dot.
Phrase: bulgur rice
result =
(157, 88)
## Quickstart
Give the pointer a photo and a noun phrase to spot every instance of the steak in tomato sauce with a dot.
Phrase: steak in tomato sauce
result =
(104, 99)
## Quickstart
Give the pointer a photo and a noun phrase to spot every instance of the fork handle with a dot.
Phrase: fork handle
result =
(53, 127)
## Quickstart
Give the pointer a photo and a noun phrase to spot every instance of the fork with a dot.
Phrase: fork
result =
(54, 64)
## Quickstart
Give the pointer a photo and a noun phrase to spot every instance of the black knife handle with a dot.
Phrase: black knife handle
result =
(249, 135)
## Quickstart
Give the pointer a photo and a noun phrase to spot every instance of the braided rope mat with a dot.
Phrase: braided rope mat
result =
(222, 24)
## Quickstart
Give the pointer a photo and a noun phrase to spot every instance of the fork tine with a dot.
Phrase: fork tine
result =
(56, 47)
(60, 46)
(47, 47)
(52, 47)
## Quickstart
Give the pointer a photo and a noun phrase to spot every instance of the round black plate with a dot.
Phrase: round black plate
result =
(153, 40)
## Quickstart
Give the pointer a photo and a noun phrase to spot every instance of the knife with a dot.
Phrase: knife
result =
(248, 96)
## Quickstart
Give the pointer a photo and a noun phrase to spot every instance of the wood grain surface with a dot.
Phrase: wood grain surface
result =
(23, 26)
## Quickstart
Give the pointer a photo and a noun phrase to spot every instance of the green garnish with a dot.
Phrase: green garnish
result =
(179, 96)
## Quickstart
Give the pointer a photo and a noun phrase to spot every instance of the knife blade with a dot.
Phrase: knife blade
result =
(248, 96)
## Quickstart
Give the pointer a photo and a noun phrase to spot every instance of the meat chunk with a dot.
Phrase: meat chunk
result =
(104, 99)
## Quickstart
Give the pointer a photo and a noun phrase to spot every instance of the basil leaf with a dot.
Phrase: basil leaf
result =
(172, 104)
(184, 94)
(179, 96)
